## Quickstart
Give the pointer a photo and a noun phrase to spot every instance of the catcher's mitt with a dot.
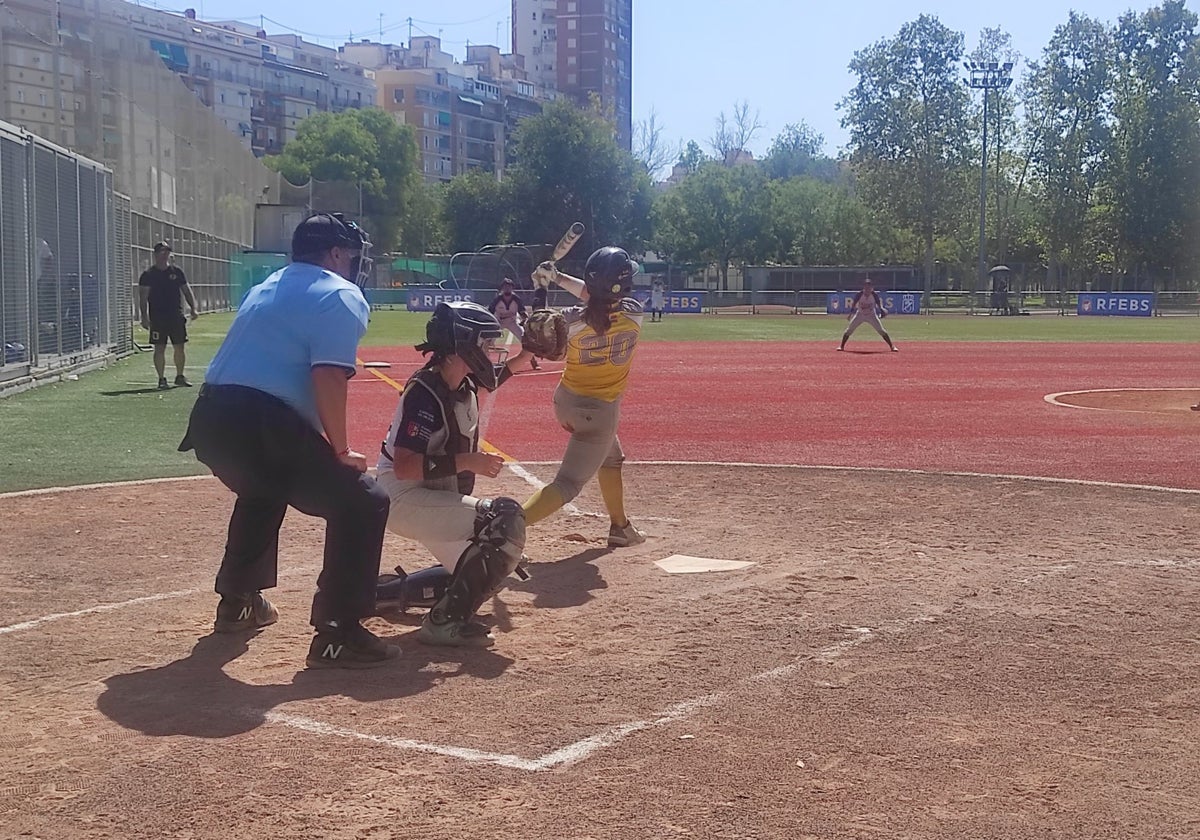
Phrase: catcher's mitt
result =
(546, 335)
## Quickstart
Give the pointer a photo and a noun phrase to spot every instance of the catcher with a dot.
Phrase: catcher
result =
(428, 465)
(598, 341)
(867, 308)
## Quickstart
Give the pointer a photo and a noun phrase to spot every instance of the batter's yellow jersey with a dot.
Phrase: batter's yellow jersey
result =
(598, 365)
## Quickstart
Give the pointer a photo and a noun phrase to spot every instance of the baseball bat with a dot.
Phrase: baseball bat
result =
(567, 242)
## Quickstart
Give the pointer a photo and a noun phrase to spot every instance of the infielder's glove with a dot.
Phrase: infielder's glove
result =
(546, 335)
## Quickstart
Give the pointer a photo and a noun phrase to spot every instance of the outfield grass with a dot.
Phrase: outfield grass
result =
(112, 424)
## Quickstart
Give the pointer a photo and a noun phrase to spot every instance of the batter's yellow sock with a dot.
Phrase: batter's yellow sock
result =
(542, 503)
(612, 490)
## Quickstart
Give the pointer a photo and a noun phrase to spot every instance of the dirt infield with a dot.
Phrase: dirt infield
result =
(912, 654)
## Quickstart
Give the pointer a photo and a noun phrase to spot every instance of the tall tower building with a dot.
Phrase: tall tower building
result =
(581, 48)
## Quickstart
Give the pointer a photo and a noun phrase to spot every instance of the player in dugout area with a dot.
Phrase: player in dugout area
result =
(867, 308)
(270, 422)
(603, 336)
(428, 463)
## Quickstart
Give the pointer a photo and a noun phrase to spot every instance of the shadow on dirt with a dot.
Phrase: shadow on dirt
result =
(194, 696)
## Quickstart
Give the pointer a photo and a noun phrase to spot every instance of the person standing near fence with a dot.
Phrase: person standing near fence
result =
(658, 300)
(270, 423)
(162, 288)
(867, 308)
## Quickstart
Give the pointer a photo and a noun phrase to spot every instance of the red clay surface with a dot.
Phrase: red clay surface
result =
(970, 407)
(909, 656)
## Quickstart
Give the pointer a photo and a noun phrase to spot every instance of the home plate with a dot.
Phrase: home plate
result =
(377, 364)
(683, 564)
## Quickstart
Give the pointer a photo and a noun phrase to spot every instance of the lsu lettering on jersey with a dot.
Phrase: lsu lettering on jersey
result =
(598, 365)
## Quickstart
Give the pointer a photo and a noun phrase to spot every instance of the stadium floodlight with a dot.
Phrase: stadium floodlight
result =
(986, 76)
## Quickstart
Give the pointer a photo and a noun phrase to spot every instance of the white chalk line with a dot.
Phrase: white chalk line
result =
(132, 602)
(1053, 399)
(584, 748)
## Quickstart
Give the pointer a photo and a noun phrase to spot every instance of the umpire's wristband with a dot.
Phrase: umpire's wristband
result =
(440, 466)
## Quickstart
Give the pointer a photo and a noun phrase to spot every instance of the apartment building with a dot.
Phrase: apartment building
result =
(463, 114)
(261, 86)
(582, 48)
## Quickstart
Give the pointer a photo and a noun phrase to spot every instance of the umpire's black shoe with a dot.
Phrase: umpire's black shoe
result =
(238, 613)
(349, 646)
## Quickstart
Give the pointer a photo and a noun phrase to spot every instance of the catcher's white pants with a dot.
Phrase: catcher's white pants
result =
(593, 444)
(514, 326)
(443, 520)
(865, 316)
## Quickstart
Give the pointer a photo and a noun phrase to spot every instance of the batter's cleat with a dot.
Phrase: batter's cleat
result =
(619, 537)
(840, 349)
(895, 349)
(455, 634)
(163, 384)
(239, 613)
(349, 646)
(1196, 407)
(182, 381)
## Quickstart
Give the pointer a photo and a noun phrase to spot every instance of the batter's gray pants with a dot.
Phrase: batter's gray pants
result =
(593, 444)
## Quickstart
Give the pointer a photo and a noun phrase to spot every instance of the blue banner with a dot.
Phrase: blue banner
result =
(894, 303)
(1130, 304)
(426, 298)
(675, 301)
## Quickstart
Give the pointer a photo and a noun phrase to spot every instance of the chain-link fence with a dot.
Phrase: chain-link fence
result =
(60, 294)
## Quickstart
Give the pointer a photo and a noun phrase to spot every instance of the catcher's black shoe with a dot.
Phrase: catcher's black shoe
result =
(348, 646)
(238, 613)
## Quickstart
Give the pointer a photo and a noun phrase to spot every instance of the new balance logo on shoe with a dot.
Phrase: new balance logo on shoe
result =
(246, 612)
(332, 651)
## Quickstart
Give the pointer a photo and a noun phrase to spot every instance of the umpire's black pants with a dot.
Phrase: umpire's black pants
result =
(271, 457)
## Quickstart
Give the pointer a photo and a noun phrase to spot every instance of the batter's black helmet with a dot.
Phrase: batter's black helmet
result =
(608, 273)
(469, 331)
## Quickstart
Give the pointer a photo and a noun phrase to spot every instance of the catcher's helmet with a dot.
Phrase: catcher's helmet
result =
(608, 273)
(469, 331)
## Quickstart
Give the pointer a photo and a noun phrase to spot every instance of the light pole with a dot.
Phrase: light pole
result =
(986, 76)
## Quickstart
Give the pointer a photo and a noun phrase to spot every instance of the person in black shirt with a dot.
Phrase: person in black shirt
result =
(161, 309)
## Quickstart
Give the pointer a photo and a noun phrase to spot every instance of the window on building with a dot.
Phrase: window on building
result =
(571, 78)
(570, 43)
(535, 15)
(572, 23)
(570, 61)
(570, 7)
(41, 99)
(398, 95)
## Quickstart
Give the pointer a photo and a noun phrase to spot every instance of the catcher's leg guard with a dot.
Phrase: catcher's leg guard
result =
(494, 554)
(420, 589)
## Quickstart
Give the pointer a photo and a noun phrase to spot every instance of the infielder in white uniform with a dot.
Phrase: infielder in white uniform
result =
(866, 308)
(428, 465)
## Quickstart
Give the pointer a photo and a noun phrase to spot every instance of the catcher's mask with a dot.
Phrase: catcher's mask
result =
(469, 331)
(608, 273)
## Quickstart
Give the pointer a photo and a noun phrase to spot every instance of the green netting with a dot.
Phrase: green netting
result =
(249, 268)
(435, 270)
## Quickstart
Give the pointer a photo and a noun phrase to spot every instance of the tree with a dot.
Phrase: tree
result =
(718, 214)
(423, 229)
(650, 149)
(907, 118)
(796, 151)
(570, 168)
(814, 222)
(733, 135)
(691, 157)
(475, 210)
(1066, 108)
(366, 147)
(1155, 183)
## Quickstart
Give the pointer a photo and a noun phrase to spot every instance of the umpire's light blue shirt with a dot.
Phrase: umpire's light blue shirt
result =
(299, 317)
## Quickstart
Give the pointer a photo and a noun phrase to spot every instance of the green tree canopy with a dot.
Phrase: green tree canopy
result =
(366, 147)
(908, 124)
(569, 168)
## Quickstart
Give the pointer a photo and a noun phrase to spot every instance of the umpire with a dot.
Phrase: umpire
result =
(270, 422)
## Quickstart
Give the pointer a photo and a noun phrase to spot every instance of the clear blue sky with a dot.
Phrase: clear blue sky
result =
(788, 58)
